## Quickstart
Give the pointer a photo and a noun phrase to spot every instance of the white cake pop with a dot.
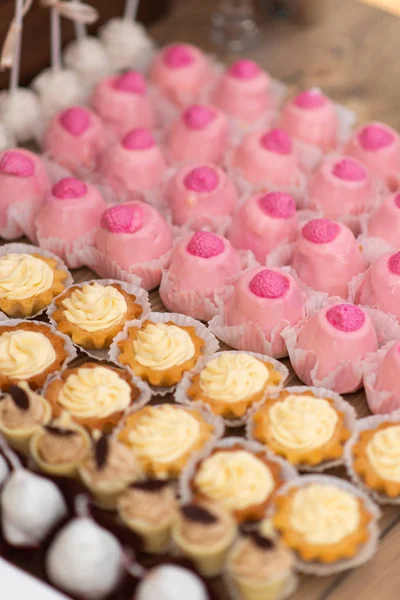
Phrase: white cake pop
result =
(85, 560)
(57, 89)
(128, 44)
(4, 470)
(20, 112)
(170, 582)
(7, 138)
(89, 58)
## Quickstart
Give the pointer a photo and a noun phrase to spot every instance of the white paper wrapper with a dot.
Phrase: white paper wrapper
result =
(379, 402)
(181, 395)
(21, 220)
(28, 249)
(211, 344)
(373, 247)
(364, 425)
(142, 298)
(350, 418)
(66, 249)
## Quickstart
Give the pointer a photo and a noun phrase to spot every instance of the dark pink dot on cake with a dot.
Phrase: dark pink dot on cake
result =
(394, 263)
(375, 137)
(397, 200)
(178, 56)
(17, 164)
(320, 231)
(278, 205)
(123, 218)
(202, 180)
(349, 170)
(310, 99)
(205, 244)
(138, 139)
(131, 82)
(75, 120)
(346, 317)
(198, 116)
(69, 188)
(269, 284)
(277, 140)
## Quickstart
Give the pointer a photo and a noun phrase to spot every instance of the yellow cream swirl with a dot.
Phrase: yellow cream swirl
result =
(24, 354)
(164, 434)
(324, 514)
(235, 479)
(233, 377)
(383, 452)
(302, 422)
(98, 392)
(95, 307)
(23, 276)
(161, 346)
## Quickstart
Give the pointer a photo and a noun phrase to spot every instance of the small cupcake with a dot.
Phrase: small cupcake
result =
(57, 224)
(326, 257)
(204, 532)
(75, 138)
(132, 166)
(200, 134)
(381, 381)
(311, 117)
(385, 221)
(243, 92)
(181, 72)
(378, 146)
(123, 102)
(22, 412)
(263, 222)
(197, 194)
(202, 263)
(379, 287)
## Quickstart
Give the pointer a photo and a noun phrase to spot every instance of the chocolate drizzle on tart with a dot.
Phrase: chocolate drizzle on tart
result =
(152, 486)
(101, 451)
(198, 514)
(262, 542)
(19, 396)
(60, 431)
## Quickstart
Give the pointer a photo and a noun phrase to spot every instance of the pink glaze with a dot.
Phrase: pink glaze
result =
(133, 233)
(387, 376)
(197, 193)
(327, 256)
(181, 72)
(374, 137)
(17, 164)
(380, 285)
(262, 222)
(133, 166)
(311, 118)
(267, 159)
(270, 298)
(76, 147)
(205, 244)
(199, 134)
(123, 102)
(69, 188)
(341, 186)
(244, 69)
(385, 221)
(346, 317)
(394, 263)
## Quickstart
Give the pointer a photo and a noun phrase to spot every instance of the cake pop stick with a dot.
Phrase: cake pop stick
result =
(131, 10)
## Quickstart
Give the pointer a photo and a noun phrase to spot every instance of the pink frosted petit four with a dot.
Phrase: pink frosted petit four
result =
(72, 210)
(197, 194)
(378, 146)
(326, 257)
(123, 102)
(75, 138)
(312, 118)
(379, 287)
(23, 184)
(243, 91)
(181, 72)
(202, 263)
(385, 221)
(200, 134)
(134, 165)
(382, 381)
(263, 222)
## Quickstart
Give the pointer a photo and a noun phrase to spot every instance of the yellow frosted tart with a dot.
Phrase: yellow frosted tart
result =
(29, 352)
(322, 522)
(164, 437)
(376, 458)
(160, 353)
(303, 428)
(231, 382)
(94, 395)
(94, 313)
(28, 283)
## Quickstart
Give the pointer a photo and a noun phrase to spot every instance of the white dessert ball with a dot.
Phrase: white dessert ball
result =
(128, 44)
(58, 89)
(85, 560)
(4, 470)
(170, 582)
(89, 58)
(20, 112)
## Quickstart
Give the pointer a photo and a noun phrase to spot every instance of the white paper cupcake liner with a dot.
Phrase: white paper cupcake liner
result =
(364, 425)
(379, 401)
(350, 418)
(65, 249)
(181, 392)
(21, 220)
(211, 344)
(17, 248)
(142, 298)
(367, 550)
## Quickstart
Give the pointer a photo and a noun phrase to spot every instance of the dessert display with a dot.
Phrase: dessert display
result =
(263, 222)
(384, 223)
(326, 257)
(380, 285)
(168, 581)
(381, 382)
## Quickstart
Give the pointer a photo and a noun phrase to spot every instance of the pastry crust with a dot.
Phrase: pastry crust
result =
(159, 378)
(95, 340)
(29, 306)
